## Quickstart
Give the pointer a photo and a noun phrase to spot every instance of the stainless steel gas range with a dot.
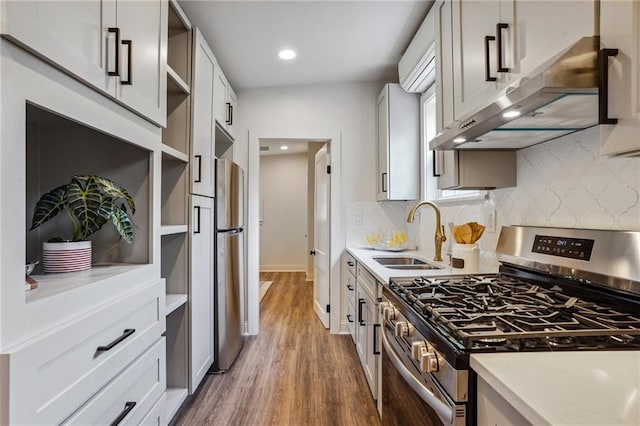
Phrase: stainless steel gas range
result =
(557, 290)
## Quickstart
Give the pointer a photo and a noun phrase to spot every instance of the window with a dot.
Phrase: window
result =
(431, 160)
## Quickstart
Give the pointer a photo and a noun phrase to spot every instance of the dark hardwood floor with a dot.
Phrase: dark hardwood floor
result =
(293, 373)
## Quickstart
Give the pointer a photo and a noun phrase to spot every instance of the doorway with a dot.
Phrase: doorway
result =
(257, 211)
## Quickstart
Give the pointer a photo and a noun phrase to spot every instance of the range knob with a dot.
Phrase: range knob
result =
(429, 362)
(390, 313)
(404, 329)
(417, 349)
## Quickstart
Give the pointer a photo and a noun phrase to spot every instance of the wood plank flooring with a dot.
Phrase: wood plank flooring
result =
(293, 373)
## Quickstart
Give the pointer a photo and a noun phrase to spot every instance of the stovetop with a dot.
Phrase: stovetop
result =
(501, 312)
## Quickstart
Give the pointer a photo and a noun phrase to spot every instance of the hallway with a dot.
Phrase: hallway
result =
(293, 373)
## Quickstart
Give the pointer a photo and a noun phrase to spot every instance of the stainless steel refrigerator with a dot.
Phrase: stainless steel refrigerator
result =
(230, 279)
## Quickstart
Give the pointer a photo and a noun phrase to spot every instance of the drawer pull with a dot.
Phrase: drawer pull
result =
(350, 263)
(349, 318)
(127, 332)
(128, 406)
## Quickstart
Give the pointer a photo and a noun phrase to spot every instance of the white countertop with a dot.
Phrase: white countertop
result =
(571, 387)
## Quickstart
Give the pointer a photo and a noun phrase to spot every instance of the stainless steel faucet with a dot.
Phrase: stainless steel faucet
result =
(439, 237)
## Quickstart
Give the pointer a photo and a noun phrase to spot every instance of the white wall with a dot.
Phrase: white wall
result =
(344, 113)
(283, 228)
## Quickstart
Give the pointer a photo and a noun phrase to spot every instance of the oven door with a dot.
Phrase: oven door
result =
(410, 397)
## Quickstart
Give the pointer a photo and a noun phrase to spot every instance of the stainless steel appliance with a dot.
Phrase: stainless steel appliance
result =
(229, 262)
(557, 289)
(566, 94)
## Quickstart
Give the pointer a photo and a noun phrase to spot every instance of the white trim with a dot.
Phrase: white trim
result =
(479, 195)
(337, 241)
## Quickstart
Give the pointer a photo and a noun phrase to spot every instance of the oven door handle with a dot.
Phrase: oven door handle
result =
(444, 411)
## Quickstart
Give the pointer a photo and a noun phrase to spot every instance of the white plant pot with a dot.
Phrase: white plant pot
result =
(66, 257)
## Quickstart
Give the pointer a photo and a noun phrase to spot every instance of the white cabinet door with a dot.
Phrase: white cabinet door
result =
(398, 116)
(143, 57)
(475, 38)
(203, 132)
(73, 35)
(93, 41)
(201, 300)
(620, 30)
(383, 145)
(444, 65)
(220, 95)
(361, 323)
(372, 353)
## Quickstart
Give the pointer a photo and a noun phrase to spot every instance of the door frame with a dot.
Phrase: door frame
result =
(251, 298)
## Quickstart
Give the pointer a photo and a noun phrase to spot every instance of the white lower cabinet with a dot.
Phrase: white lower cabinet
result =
(157, 416)
(130, 396)
(367, 324)
(201, 297)
(56, 374)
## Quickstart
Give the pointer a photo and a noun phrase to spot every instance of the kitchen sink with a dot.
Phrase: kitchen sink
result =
(404, 263)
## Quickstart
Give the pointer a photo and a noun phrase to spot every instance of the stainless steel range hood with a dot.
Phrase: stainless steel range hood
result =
(561, 97)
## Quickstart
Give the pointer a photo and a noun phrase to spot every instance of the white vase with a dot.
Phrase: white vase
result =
(61, 257)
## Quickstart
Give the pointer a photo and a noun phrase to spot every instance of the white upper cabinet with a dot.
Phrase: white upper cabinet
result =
(488, 45)
(477, 40)
(620, 30)
(203, 130)
(94, 40)
(398, 138)
(225, 102)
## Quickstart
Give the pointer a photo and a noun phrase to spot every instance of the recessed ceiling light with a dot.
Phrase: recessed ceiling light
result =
(286, 54)
(511, 114)
(284, 147)
(459, 140)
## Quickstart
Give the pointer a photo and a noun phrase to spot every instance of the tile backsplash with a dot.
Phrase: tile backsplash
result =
(563, 183)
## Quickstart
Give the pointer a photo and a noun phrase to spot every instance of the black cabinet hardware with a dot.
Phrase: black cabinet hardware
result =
(312, 252)
(127, 332)
(499, 28)
(375, 339)
(199, 159)
(129, 80)
(197, 229)
(384, 182)
(350, 287)
(603, 86)
(116, 31)
(360, 303)
(350, 263)
(487, 65)
(128, 406)
(349, 318)
(228, 120)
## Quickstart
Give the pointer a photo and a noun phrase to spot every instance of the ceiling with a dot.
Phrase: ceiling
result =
(294, 146)
(336, 41)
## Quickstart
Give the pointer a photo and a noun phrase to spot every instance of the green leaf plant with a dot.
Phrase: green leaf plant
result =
(89, 202)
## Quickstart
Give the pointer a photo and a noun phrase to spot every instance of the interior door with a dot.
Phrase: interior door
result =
(321, 235)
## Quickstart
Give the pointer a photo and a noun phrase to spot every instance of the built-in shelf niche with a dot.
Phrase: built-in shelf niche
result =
(58, 148)
(174, 191)
(175, 262)
(177, 359)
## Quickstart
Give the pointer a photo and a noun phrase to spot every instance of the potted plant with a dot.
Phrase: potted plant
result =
(89, 202)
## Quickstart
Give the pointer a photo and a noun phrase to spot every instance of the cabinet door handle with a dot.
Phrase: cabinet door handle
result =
(127, 332)
(349, 318)
(199, 159)
(197, 229)
(487, 65)
(128, 406)
(360, 303)
(129, 80)
(231, 118)
(116, 31)
(384, 182)
(603, 86)
(375, 339)
(499, 28)
(349, 287)
(436, 165)
(350, 263)
(228, 120)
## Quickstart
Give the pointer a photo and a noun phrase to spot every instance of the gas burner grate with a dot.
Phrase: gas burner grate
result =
(493, 310)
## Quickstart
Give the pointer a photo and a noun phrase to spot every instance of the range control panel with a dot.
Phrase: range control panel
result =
(573, 248)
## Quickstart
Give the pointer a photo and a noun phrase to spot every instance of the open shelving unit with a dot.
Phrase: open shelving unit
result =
(174, 217)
